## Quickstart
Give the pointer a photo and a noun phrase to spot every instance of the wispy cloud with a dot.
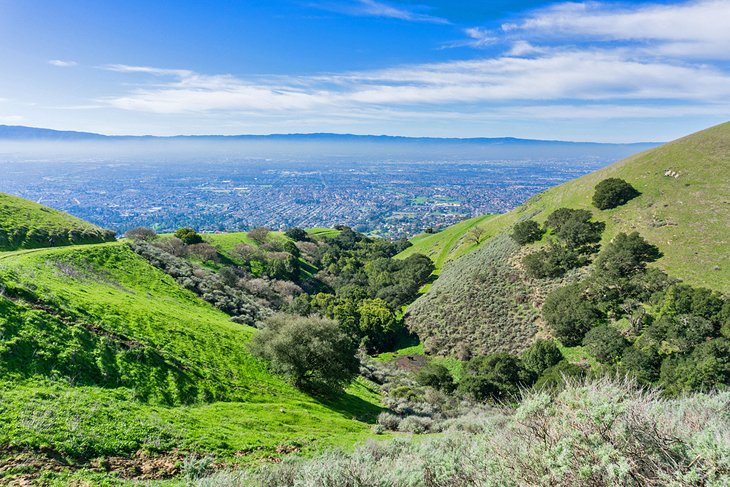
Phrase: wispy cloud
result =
(544, 72)
(694, 29)
(373, 8)
(62, 64)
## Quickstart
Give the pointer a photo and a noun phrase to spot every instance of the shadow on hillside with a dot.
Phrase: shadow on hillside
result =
(349, 405)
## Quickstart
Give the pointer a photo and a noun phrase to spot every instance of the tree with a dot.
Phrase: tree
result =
(141, 233)
(188, 236)
(310, 351)
(625, 255)
(297, 234)
(527, 232)
(569, 314)
(553, 261)
(378, 323)
(605, 343)
(259, 235)
(613, 192)
(436, 376)
(494, 376)
(554, 377)
(574, 228)
(641, 364)
(475, 235)
(541, 355)
(706, 368)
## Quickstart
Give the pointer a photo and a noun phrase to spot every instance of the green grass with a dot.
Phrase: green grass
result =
(101, 354)
(445, 245)
(24, 224)
(686, 217)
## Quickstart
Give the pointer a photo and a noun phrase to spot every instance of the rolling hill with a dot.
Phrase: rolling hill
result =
(25, 225)
(684, 209)
(103, 355)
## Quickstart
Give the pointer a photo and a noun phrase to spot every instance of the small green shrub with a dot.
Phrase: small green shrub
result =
(569, 314)
(605, 343)
(541, 355)
(188, 236)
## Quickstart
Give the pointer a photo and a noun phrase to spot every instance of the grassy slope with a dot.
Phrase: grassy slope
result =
(110, 290)
(447, 244)
(687, 217)
(24, 224)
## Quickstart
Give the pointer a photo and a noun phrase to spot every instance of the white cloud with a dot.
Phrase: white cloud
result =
(62, 64)
(691, 29)
(571, 75)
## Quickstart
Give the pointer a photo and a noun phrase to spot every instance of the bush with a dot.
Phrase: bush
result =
(141, 233)
(640, 364)
(555, 377)
(310, 351)
(626, 255)
(613, 192)
(527, 232)
(436, 376)
(259, 235)
(553, 261)
(569, 314)
(574, 228)
(188, 236)
(605, 343)
(297, 234)
(494, 376)
(541, 355)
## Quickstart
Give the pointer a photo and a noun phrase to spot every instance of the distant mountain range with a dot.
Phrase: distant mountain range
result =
(22, 133)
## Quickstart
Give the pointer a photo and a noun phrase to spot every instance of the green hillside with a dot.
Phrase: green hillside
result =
(450, 243)
(102, 354)
(25, 225)
(483, 301)
(687, 216)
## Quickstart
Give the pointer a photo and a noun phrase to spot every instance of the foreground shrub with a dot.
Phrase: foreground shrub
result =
(613, 192)
(310, 351)
(605, 433)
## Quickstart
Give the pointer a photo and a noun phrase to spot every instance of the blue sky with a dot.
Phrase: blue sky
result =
(603, 71)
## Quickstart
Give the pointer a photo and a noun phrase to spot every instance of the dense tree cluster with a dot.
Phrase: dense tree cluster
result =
(638, 321)
(574, 238)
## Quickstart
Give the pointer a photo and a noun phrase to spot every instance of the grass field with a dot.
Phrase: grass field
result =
(101, 354)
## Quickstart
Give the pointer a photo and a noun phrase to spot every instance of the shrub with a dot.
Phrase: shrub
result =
(574, 227)
(555, 377)
(310, 351)
(605, 343)
(259, 235)
(297, 234)
(541, 355)
(526, 232)
(436, 376)
(626, 255)
(569, 314)
(141, 233)
(188, 236)
(640, 364)
(494, 376)
(613, 192)
(553, 261)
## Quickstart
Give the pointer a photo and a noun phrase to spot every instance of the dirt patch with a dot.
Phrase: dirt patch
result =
(411, 363)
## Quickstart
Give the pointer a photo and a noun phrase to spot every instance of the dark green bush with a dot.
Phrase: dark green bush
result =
(569, 314)
(310, 351)
(494, 376)
(436, 376)
(605, 343)
(188, 236)
(625, 255)
(526, 232)
(613, 192)
(574, 228)
(541, 355)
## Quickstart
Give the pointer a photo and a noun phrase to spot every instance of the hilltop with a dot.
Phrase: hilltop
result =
(26, 225)
(483, 301)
